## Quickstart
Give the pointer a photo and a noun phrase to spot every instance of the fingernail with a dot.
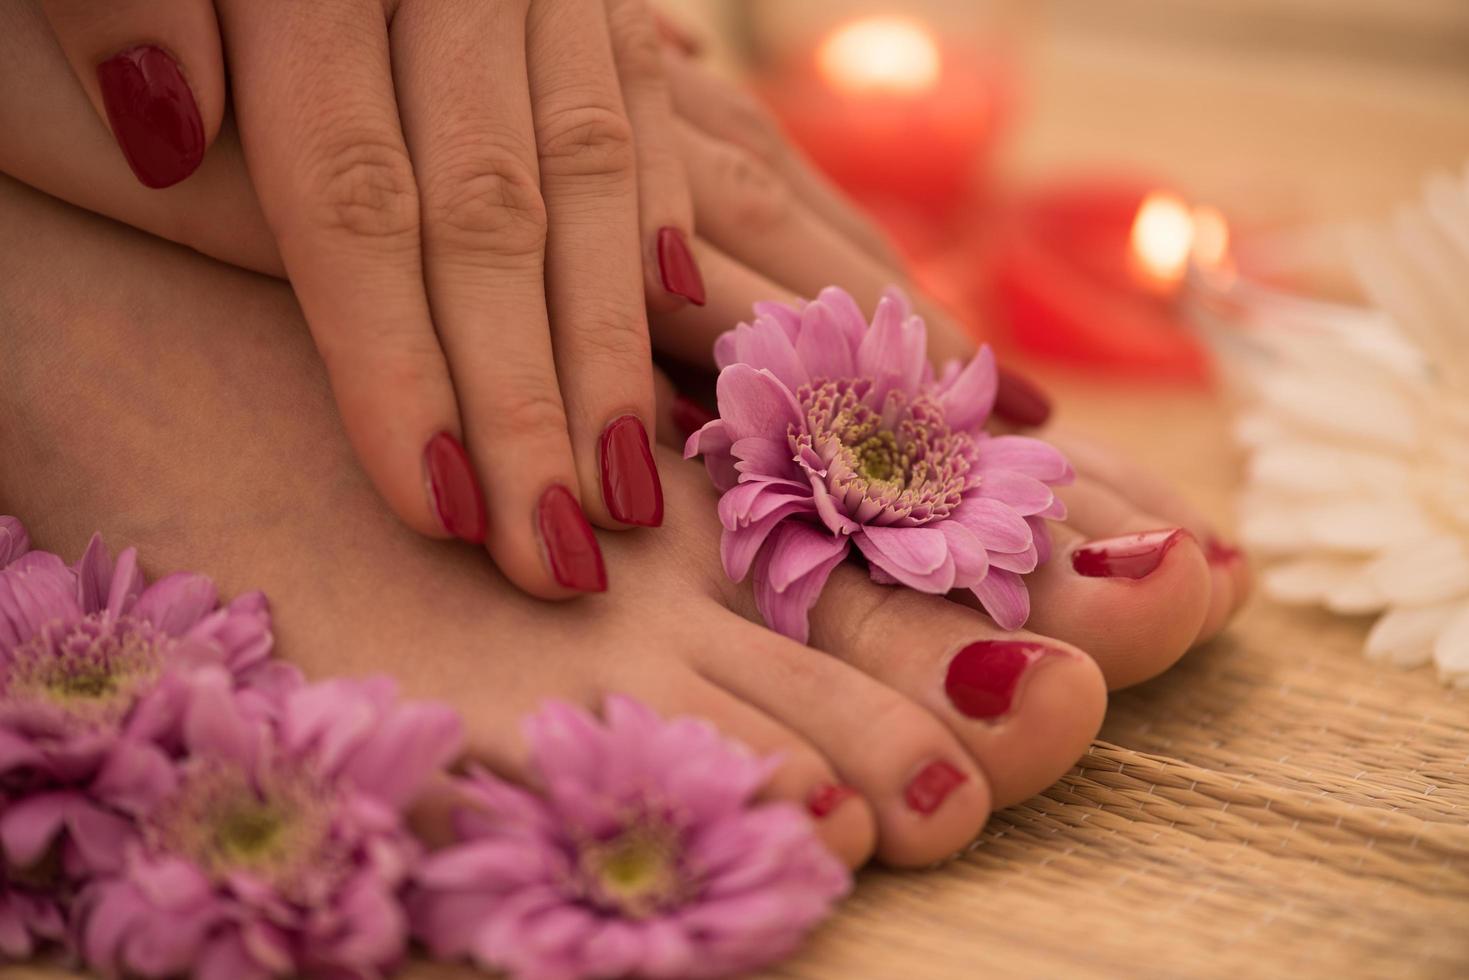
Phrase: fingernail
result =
(630, 484)
(677, 267)
(927, 790)
(1130, 556)
(984, 677)
(1019, 401)
(690, 416)
(454, 489)
(1219, 553)
(571, 546)
(153, 114)
(826, 798)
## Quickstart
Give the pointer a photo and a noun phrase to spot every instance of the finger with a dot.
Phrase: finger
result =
(594, 280)
(320, 128)
(748, 211)
(671, 276)
(733, 289)
(723, 110)
(69, 156)
(154, 72)
(467, 119)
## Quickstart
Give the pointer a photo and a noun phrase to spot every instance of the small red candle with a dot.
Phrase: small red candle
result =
(1090, 273)
(892, 113)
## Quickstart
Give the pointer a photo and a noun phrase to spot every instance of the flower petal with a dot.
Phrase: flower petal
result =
(1024, 494)
(765, 344)
(968, 401)
(1022, 454)
(997, 526)
(737, 548)
(1451, 651)
(787, 610)
(824, 345)
(916, 556)
(1405, 637)
(14, 541)
(177, 602)
(1004, 596)
(755, 403)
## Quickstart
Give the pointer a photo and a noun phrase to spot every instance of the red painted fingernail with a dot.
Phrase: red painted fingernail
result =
(677, 267)
(983, 677)
(1130, 556)
(690, 416)
(630, 484)
(826, 798)
(454, 489)
(571, 546)
(153, 114)
(927, 790)
(1019, 401)
(1219, 553)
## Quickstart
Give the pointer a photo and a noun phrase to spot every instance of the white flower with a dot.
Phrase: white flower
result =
(1356, 426)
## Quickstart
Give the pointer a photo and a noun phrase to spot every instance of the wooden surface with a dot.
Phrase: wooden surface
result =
(1273, 806)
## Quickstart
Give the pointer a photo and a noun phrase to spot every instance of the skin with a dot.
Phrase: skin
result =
(175, 403)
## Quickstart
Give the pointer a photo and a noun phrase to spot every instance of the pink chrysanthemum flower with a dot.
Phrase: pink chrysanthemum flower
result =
(833, 433)
(90, 661)
(283, 850)
(645, 857)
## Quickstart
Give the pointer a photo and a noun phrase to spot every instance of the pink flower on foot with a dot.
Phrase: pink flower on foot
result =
(283, 850)
(91, 662)
(645, 857)
(833, 433)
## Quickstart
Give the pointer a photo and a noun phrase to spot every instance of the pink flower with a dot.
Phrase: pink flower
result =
(14, 541)
(832, 433)
(283, 850)
(90, 673)
(644, 857)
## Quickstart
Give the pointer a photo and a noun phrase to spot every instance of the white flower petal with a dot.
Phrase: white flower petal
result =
(1336, 406)
(1422, 573)
(1312, 469)
(1356, 597)
(1309, 581)
(1274, 529)
(1405, 637)
(1451, 651)
(1364, 525)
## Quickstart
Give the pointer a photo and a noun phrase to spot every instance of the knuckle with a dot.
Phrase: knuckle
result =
(489, 204)
(364, 187)
(755, 196)
(639, 52)
(619, 342)
(525, 410)
(587, 141)
(755, 127)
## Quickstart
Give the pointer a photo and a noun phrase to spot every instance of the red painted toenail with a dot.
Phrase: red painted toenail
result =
(827, 797)
(1130, 556)
(927, 790)
(1219, 553)
(983, 677)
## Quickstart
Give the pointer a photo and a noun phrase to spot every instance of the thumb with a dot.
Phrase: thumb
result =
(155, 73)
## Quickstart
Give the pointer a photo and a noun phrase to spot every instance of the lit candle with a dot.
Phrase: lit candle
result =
(890, 112)
(1090, 273)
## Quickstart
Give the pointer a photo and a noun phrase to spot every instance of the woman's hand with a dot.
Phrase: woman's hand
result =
(453, 190)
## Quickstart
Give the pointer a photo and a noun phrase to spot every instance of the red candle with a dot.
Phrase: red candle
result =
(891, 113)
(1089, 273)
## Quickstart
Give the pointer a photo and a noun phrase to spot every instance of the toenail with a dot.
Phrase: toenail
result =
(827, 797)
(984, 677)
(1130, 556)
(1219, 553)
(933, 784)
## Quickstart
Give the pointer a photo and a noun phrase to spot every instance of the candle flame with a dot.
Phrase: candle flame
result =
(880, 54)
(1162, 236)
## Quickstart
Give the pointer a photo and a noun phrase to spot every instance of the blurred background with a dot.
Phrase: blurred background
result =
(1055, 169)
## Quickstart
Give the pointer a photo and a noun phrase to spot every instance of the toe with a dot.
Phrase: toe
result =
(1133, 593)
(839, 811)
(928, 796)
(1025, 706)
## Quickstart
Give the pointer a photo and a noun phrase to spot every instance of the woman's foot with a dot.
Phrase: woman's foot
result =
(177, 405)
